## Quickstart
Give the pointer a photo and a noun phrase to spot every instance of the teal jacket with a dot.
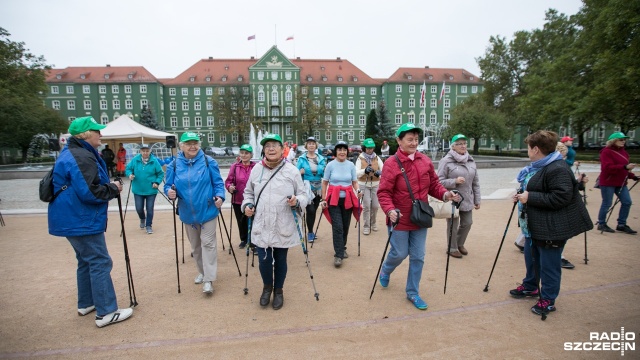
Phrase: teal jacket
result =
(145, 175)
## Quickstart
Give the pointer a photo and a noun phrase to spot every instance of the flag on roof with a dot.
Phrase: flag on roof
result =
(289, 38)
(442, 92)
(252, 37)
(423, 100)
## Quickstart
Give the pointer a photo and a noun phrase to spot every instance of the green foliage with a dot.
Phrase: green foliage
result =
(384, 128)
(148, 119)
(475, 119)
(232, 113)
(370, 128)
(313, 112)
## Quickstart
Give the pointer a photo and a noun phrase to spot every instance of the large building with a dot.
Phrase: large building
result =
(219, 97)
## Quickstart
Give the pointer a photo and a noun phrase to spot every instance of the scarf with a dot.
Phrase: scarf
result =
(369, 158)
(411, 157)
(271, 164)
(537, 165)
(464, 158)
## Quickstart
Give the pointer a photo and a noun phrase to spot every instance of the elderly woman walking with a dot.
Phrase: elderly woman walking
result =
(235, 184)
(274, 188)
(145, 173)
(194, 179)
(79, 213)
(311, 165)
(457, 171)
(368, 171)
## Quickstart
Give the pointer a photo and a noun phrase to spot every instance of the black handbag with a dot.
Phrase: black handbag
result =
(421, 212)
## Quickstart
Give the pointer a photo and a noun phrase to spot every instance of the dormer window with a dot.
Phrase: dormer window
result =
(207, 79)
(470, 77)
(450, 77)
(430, 77)
(324, 78)
(224, 78)
(340, 78)
(58, 76)
(309, 78)
(107, 76)
(355, 78)
(409, 77)
(240, 78)
(130, 76)
(322, 68)
(82, 76)
(192, 78)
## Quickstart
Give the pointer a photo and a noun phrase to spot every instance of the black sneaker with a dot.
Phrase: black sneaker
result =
(566, 264)
(543, 306)
(520, 291)
(521, 248)
(242, 244)
(605, 228)
(626, 229)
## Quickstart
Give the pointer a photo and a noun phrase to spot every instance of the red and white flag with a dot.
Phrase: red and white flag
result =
(252, 37)
(423, 100)
(289, 38)
(442, 92)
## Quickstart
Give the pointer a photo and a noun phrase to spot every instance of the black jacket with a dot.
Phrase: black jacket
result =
(555, 210)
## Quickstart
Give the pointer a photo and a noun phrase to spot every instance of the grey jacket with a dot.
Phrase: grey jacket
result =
(273, 224)
(449, 169)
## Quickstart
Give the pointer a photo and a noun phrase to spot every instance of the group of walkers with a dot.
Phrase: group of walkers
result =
(272, 196)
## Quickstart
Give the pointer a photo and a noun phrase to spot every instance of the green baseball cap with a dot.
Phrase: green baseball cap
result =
(80, 125)
(615, 135)
(271, 137)
(368, 143)
(246, 147)
(189, 136)
(408, 127)
(458, 137)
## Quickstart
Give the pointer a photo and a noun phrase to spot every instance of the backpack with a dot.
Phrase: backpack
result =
(46, 188)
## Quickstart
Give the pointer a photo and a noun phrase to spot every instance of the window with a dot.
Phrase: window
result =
(434, 89)
(350, 91)
(327, 119)
(339, 104)
(432, 119)
(316, 90)
(412, 102)
(245, 90)
(422, 118)
(209, 91)
(128, 104)
(186, 122)
(474, 89)
(374, 104)
(223, 138)
(185, 91)
(363, 91)
(174, 121)
(209, 105)
(446, 118)
(211, 138)
(274, 97)
(260, 95)
(172, 91)
(173, 106)
(350, 120)
(197, 105)
(361, 136)
(262, 112)
(185, 105)
(316, 103)
(103, 104)
(447, 89)
(398, 119)
(104, 119)
(363, 119)
(374, 91)
(102, 89)
(260, 75)
(69, 89)
(115, 89)
(127, 89)
(339, 136)
(327, 104)
(144, 102)
(447, 102)
(316, 134)
(398, 102)
(327, 136)
(363, 104)
(86, 89)
(198, 121)
(350, 134)
(463, 89)
(287, 75)
(288, 111)
(71, 104)
(234, 105)
(116, 104)
(234, 137)
(87, 104)
(339, 91)
(304, 90)
(434, 103)
(398, 88)
(288, 130)
(339, 120)
(288, 95)
(55, 104)
(327, 91)
(412, 118)
(55, 90)
(196, 91)
(350, 104)
(412, 88)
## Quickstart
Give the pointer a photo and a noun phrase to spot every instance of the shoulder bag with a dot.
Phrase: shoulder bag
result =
(421, 213)
(441, 209)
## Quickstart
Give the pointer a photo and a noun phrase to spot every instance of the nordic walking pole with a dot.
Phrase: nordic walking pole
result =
(454, 205)
(304, 250)
(230, 246)
(486, 288)
(317, 226)
(233, 196)
(224, 223)
(393, 226)
(246, 272)
(175, 235)
(220, 232)
(125, 206)
(133, 301)
(182, 242)
(359, 221)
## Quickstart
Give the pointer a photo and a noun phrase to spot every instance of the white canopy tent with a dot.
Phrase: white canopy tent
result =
(124, 129)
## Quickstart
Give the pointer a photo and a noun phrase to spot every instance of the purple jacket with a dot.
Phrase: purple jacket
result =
(238, 176)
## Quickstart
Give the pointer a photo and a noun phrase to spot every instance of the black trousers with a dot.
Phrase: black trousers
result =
(243, 222)
(340, 221)
(311, 213)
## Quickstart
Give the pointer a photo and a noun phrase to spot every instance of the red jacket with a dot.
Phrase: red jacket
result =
(238, 176)
(613, 162)
(393, 192)
(350, 200)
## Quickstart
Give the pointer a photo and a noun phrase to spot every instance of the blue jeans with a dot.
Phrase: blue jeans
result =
(273, 272)
(94, 273)
(607, 198)
(412, 243)
(548, 266)
(150, 200)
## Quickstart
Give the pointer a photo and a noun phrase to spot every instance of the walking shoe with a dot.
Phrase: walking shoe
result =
(278, 299)
(142, 223)
(626, 229)
(463, 250)
(265, 298)
(311, 237)
(374, 227)
(605, 228)
(85, 311)
(199, 279)
(207, 288)
(456, 254)
(520, 291)
(242, 245)
(384, 279)
(337, 261)
(543, 306)
(566, 264)
(114, 317)
(418, 302)
(346, 255)
(521, 248)
(366, 231)
(149, 230)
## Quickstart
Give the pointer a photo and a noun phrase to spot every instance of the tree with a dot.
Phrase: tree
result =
(22, 84)
(372, 121)
(313, 111)
(384, 128)
(475, 119)
(233, 110)
(148, 119)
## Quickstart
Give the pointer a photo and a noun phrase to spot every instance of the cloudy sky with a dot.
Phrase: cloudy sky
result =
(168, 36)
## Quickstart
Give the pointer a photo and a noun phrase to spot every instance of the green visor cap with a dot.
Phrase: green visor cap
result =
(80, 125)
(458, 137)
(618, 135)
(408, 127)
(189, 136)
(368, 143)
(246, 147)
(271, 137)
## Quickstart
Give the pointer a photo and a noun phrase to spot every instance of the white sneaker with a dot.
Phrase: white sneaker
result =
(374, 227)
(199, 279)
(114, 317)
(85, 311)
(366, 231)
(207, 288)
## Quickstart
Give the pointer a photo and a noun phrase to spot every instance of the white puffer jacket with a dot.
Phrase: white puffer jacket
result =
(273, 224)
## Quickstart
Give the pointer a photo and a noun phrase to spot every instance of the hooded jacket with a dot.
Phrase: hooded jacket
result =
(449, 170)
(613, 167)
(145, 175)
(238, 176)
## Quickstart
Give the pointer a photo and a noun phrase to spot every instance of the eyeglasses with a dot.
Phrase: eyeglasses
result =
(271, 146)
(460, 144)
(192, 145)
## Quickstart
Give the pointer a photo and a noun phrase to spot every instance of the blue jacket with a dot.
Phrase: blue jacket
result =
(145, 175)
(196, 187)
(81, 209)
(303, 163)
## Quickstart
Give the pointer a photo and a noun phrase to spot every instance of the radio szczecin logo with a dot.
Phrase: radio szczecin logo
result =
(606, 341)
